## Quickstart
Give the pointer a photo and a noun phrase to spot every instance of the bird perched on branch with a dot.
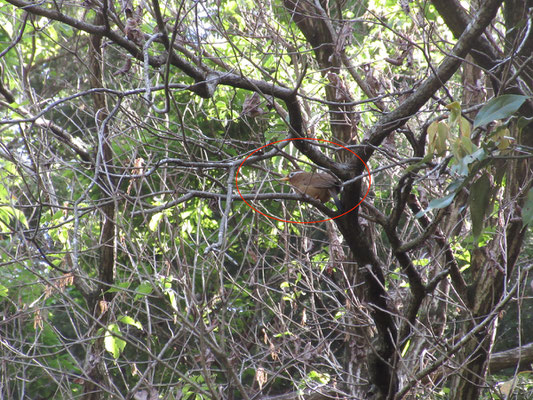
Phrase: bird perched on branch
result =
(318, 185)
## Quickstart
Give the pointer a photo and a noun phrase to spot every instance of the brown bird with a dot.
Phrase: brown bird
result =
(318, 185)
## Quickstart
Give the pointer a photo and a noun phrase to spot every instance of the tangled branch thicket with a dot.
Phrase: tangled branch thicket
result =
(132, 268)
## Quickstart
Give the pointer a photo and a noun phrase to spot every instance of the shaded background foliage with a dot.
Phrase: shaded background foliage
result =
(130, 267)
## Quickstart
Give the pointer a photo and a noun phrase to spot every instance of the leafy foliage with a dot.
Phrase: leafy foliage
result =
(130, 267)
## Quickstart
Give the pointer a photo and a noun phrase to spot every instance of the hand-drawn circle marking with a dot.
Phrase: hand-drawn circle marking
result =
(302, 222)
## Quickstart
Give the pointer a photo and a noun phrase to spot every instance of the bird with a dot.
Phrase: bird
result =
(318, 185)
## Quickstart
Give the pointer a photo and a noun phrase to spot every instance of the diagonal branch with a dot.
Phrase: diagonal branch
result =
(443, 73)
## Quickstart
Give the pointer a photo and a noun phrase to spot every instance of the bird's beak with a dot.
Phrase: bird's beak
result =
(286, 178)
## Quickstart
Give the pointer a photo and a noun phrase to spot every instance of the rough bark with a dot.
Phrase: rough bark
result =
(315, 23)
(94, 367)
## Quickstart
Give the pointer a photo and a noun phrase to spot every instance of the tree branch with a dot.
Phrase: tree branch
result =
(444, 72)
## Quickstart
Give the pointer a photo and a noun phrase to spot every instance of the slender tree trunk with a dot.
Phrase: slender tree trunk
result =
(95, 367)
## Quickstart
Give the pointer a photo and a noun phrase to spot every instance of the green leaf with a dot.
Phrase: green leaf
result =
(143, 290)
(8, 213)
(130, 321)
(165, 282)
(464, 127)
(406, 348)
(438, 203)
(154, 221)
(461, 167)
(499, 108)
(415, 167)
(119, 287)
(438, 132)
(527, 210)
(319, 377)
(466, 145)
(442, 202)
(523, 122)
(455, 185)
(5, 216)
(4, 291)
(455, 112)
(479, 204)
(113, 344)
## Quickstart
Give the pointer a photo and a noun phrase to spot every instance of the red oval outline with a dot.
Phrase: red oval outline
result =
(302, 222)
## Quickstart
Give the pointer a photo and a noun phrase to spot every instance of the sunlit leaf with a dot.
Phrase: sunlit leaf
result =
(406, 348)
(130, 321)
(319, 377)
(154, 221)
(113, 344)
(455, 112)
(8, 213)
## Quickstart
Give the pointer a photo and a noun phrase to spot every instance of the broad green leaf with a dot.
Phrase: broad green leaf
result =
(437, 135)
(62, 234)
(17, 105)
(466, 145)
(442, 135)
(438, 203)
(479, 203)
(269, 61)
(442, 202)
(464, 127)
(455, 185)
(165, 282)
(527, 210)
(432, 136)
(143, 290)
(462, 147)
(4, 291)
(113, 344)
(499, 108)
(7, 26)
(53, 33)
(4, 194)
